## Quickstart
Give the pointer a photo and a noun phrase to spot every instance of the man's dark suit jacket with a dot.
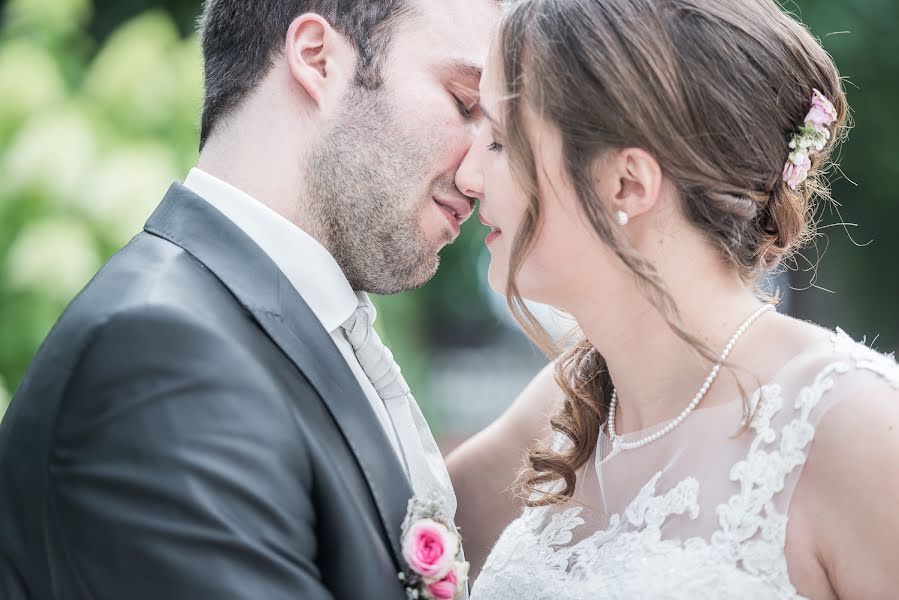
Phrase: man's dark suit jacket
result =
(189, 431)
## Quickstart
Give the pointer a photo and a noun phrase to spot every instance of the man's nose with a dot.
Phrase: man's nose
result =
(469, 176)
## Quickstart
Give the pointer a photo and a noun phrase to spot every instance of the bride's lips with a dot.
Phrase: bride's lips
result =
(456, 211)
(495, 231)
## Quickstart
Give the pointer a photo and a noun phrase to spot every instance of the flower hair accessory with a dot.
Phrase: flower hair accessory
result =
(432, 550)
(811, 137)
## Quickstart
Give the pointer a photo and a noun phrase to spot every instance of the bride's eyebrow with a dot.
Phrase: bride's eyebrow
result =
(487, 114)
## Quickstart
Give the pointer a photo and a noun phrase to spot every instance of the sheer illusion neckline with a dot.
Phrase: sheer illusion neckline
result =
(701, 513)
(702, 412)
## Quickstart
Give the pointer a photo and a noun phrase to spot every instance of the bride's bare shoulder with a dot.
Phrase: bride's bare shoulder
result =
(851, 467)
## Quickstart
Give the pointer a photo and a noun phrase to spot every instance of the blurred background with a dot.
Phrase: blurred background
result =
(99, 106)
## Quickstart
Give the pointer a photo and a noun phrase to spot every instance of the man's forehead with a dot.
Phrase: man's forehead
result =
(457, 33)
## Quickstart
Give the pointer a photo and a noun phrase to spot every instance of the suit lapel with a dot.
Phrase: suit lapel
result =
(193, 224)
(307, 344)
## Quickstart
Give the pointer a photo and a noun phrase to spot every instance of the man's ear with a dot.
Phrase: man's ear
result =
(313, 50)
(631, 179)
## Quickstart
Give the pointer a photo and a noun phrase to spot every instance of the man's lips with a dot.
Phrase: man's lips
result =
(459, 208)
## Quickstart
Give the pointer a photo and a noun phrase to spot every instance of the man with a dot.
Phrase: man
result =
(213, 416)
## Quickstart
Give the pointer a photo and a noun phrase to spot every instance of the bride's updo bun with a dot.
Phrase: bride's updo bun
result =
(715, 90)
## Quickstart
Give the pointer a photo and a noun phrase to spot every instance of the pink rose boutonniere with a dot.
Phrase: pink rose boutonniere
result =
(432, 550)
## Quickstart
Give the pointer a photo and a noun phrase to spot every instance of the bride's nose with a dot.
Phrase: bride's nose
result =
(470, 175)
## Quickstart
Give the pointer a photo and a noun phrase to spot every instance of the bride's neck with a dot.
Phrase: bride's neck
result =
(655, 372)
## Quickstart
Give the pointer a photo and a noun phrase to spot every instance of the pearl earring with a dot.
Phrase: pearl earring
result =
(623, 219)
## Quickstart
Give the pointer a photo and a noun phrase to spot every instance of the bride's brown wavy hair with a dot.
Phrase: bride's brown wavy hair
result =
(714, 90)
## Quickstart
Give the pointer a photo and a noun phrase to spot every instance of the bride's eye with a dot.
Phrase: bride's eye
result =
(494, 146)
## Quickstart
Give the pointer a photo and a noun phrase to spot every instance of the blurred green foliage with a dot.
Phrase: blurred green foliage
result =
(91, 136)
(99, 112)
(860, 262)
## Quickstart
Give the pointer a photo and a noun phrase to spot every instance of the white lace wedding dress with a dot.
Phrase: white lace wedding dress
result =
(697, 514)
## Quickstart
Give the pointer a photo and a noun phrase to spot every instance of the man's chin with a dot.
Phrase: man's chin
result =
(425, 272)
(394, 280)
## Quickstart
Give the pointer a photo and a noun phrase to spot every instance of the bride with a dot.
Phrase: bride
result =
(642, 166)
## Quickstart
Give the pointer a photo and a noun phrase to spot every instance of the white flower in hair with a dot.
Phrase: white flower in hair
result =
(812, 136)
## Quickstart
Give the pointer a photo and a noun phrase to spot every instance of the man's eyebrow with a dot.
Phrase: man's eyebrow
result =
(463, 69)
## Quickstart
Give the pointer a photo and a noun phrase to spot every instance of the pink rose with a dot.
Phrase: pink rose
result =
(794, 174)
(446, 588)
(429, 548)
(823, 113)
(449, 586)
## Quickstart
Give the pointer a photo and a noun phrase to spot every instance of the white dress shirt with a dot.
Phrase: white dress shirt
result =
(308, 266)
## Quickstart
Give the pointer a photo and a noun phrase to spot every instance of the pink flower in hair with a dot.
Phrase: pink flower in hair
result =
(797, 169)
(812, 136)
(823, 112)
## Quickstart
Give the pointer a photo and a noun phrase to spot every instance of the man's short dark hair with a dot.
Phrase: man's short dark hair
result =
(242, 37)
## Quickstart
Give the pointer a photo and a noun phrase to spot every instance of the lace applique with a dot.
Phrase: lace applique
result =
(535, 558)
(533, 563)
(752, 531)
(868, 358)
(650, 511)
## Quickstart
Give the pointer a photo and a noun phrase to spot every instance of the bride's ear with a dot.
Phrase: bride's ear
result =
(630, 179)
(316, 57)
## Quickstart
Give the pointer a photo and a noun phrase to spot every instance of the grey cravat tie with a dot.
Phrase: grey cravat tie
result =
(424, 462)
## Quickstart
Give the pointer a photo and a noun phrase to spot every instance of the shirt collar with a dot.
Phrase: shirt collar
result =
(307, 264)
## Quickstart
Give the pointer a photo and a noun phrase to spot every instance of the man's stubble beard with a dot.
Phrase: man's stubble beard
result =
(366, 191)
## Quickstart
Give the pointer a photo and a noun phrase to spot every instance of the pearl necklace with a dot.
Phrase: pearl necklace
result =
(616, 439)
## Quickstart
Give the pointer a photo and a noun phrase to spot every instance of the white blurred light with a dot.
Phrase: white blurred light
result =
(50, 154)
(125, 187)
(53, 16)
(132, 76)
(5, 397)
(30, 79)
(55, 257)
